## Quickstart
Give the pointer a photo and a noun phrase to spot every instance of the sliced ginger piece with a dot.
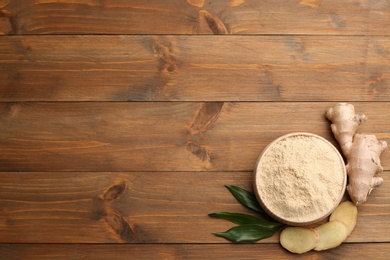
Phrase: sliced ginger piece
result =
(298, 239)
(347, 213)
(331, 234)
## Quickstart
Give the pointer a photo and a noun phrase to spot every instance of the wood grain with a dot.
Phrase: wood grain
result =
(189, 68)
(359, 251)
(160, 136)
(141, 207)
(91, 167)
(356, 17)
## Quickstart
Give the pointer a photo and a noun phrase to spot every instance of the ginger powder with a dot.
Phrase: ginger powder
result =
(300, 178)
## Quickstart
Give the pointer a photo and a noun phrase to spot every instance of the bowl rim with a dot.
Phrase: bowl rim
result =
(275, 215)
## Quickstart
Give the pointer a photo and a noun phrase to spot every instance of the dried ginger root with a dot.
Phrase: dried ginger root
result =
(361, 151)
(329, 235)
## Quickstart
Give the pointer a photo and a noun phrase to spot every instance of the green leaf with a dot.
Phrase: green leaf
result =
(246, 198)
(244, 219)
(246, 233)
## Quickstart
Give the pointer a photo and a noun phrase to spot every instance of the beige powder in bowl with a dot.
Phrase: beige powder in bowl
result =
(300, 179)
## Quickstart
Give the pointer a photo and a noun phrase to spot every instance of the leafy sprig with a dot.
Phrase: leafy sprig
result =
(246, 198)
(250, 228)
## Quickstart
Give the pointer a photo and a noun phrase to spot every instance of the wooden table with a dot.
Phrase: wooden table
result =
(121, 121)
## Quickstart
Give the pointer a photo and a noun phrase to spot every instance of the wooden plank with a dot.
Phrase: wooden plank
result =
(160, 136)
(195, 17)
(141, 207)
(186, 251)
(189, 68)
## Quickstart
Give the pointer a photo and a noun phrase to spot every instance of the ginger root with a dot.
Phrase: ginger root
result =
(299, 240)
(363, 166)
(329, 235)
(346, 212)
(344, 124)
(362, 151)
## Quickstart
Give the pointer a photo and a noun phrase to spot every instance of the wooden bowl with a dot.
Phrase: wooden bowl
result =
(291, 184)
